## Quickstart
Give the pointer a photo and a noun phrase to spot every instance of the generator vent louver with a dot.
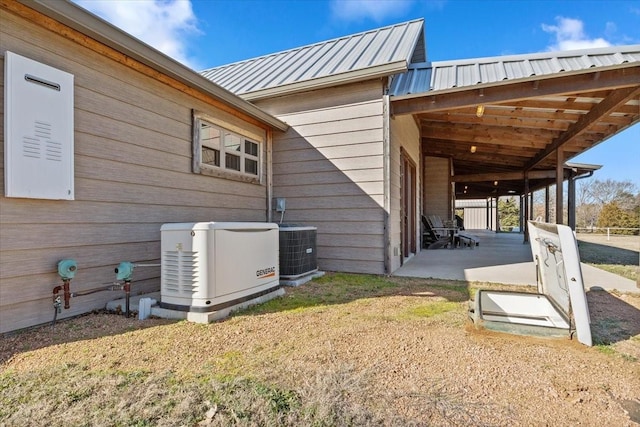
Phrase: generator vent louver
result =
(181, 271)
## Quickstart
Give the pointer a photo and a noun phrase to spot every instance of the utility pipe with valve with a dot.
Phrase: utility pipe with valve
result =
(124, 271)
(67, 269)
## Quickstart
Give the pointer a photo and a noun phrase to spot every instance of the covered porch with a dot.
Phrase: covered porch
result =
(500, 258)
(507, 126)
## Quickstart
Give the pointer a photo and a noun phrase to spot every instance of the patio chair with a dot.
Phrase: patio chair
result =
(431, 239)
(456, 237)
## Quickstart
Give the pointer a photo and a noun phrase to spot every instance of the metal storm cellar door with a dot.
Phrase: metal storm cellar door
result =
(560, 306)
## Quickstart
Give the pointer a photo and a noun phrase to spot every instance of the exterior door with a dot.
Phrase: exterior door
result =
(408, 204)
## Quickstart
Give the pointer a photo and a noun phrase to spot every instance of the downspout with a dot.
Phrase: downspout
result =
(386, 168)
(572, 198)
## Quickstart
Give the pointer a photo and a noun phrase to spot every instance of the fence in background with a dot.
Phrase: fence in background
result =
(619, 231)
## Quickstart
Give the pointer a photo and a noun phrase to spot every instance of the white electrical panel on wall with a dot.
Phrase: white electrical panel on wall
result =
(38, 130)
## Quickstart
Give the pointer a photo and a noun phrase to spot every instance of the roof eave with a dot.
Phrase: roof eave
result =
(511, 81)
(77, 18)
(585, 166)
(364, 74)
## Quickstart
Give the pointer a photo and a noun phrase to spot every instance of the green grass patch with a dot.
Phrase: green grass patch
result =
(620, 261)
(343, 288)
(430, 309)
(333, 288)
(628, 271)
(595, 253)
(608, 330)
(605, 349)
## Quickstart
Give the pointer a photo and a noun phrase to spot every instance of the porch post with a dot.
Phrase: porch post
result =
(497, 215)
(531, 205)
(571, 203)
(546, 204)
(526, 208)
(521, 215)
(490, 213)
(487, 213)
(559, 180)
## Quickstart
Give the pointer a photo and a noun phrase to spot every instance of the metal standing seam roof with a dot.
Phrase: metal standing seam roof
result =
(382, 51)
(447, 75)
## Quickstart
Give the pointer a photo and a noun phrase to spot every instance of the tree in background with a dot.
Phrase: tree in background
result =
(607, 191)
(621, 199)
(612, 215)
(509, 213)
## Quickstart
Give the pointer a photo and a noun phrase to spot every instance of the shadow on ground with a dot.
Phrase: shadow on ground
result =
(86, 327)
(612, 319)
(595, 253)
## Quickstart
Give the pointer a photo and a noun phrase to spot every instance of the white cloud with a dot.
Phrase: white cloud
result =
(163, 24)
(377, 10)
(569, 35)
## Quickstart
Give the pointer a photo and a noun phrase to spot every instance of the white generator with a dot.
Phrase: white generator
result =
(208, 266)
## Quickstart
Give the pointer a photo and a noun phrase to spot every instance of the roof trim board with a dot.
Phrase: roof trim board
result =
(89, 24)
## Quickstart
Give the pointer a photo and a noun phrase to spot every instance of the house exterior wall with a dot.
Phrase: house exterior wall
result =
(405, 137)
(437, 187)
(133, 173)
(329, 166)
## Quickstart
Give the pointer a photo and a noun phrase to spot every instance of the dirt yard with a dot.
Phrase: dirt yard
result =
(342, 350)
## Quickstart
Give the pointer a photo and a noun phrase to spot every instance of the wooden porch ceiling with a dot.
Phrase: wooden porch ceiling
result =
(522, 125)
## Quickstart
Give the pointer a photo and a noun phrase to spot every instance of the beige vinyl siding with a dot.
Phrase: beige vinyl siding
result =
(437, 187)
(405, 135)
(132, 174)
(329, 167)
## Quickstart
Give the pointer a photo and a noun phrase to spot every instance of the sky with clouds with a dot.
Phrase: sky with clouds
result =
(208, 33)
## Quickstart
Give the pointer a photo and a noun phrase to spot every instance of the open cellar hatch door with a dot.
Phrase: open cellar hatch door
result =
(560, 306)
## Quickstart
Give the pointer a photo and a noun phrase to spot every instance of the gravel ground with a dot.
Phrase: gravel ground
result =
(407, 353)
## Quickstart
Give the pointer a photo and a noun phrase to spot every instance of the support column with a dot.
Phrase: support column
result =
(526, 208)
(497, 215)
(487, 214)
(571, 203)
(531, 210)
(547, 213)
(559, 180)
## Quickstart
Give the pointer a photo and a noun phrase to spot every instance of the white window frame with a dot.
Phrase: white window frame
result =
(221, 170)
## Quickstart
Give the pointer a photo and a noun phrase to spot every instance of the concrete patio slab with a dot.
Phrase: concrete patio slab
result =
(500, 258)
